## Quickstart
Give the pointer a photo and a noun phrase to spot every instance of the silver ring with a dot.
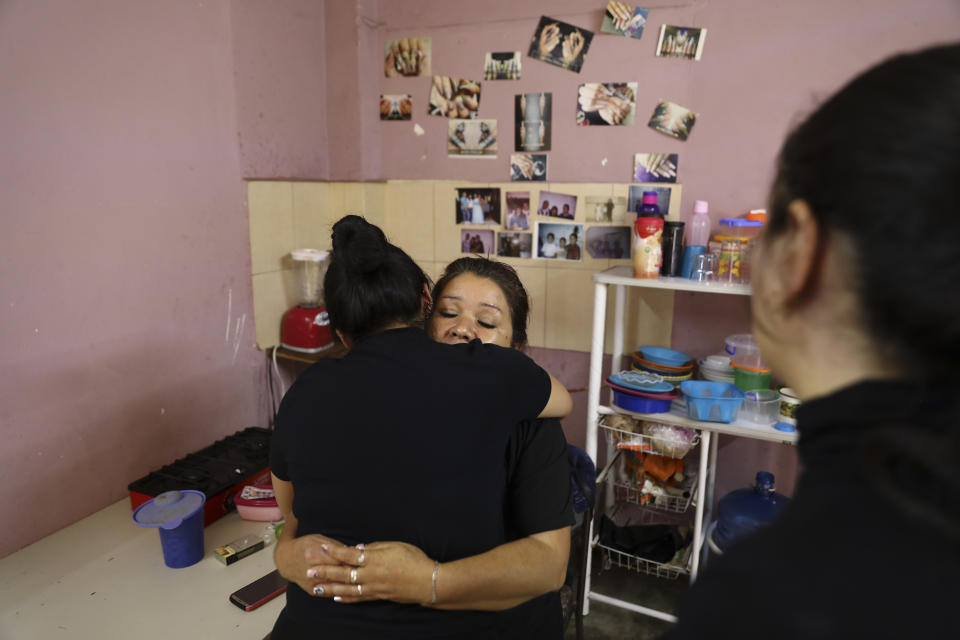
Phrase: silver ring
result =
(363, 556)
(353, 576)
(318, 590)
(359, 590)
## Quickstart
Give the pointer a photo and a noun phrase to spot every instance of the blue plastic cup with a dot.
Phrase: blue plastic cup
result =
(179, 517)
(689, 253)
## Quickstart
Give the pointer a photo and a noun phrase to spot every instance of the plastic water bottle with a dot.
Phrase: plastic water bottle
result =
(743, 511)
(698, 233)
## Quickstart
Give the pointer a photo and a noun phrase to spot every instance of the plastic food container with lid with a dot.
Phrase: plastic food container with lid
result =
(744, 352)
(740, 227)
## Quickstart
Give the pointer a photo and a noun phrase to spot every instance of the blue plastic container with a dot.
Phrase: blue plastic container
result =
(179, 517)
(640, 404)
(743, 511)
(662, 355)
(712, 401)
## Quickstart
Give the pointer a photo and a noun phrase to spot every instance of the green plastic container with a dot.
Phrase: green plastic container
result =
(749, 380)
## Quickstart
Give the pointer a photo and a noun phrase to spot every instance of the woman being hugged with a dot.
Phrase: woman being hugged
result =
(403, 439)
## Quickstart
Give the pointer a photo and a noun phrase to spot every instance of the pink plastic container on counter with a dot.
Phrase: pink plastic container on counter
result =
(261, 509)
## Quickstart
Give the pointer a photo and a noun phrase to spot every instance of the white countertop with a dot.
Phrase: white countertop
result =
(104, 577)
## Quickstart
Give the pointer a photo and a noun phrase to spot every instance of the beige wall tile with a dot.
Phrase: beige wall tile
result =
(569, 309)
(311, 215)
(409, 217)
(270, 207)
(534, 280)
(649, 318)
(273, 293)
(373, 203)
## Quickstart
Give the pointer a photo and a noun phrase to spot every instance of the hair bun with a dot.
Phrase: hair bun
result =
(360, 245)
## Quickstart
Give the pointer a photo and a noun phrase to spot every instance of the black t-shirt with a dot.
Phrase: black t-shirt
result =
(858, 552)
(403, 439)
(538, 499)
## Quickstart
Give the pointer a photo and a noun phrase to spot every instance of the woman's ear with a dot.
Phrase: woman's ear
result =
(427, 301)
(800, 250)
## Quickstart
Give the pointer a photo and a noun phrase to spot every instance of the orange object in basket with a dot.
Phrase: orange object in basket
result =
(661, 467)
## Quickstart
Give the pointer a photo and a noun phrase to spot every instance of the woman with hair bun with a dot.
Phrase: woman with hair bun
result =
(403, 440)
(856, 307)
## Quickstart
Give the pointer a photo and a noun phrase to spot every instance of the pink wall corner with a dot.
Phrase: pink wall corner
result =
(281, 55)
(126, 331)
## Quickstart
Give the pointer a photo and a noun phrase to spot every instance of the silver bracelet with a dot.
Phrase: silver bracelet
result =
(436, 572)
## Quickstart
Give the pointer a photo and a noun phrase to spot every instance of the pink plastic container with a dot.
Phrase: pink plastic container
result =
(262, 509)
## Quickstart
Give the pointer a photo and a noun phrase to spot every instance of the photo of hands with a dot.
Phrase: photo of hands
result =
(528, 167)
(502, 66)
(673, 120)
(396, 107)
(623, 20)
(454, 98)
(472, 138)
(407, 57)
(607, 103)
(681, 42)
(655, 167)
(560, 43)
(532, 120)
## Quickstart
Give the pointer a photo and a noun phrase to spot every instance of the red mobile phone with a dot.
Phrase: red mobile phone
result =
(259, 591)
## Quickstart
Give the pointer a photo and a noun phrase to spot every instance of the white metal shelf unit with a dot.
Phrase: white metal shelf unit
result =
(621, 278)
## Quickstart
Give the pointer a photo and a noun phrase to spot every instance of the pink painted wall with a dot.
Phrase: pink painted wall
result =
(126, 325)
(280, 74)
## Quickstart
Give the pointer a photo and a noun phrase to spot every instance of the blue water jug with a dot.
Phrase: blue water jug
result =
(744, 511)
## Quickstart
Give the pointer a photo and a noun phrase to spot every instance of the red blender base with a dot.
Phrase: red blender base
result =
(306, 329)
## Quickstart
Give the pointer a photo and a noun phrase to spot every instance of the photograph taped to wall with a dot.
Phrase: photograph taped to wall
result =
(673, 120)
(559, 43)
(532, 121)
(655, 167)
(607, 103)
(605, 209)
(396, 106)
(517, 205)
(528, 167)
(406, 57)
(472, 138)
(559, 240)
(502, 65)
(624, 20)
(479, 241)
(557, 205)
(454, 97)
(681, 42)
(514, 245)
(478, 205)
(608, 242)
(664, 197)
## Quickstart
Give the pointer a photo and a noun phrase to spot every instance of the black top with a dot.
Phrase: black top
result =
(403, 439)
(865, 548)
(538, 499)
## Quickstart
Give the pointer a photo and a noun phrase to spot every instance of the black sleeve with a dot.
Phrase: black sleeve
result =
(525, 385)
(278, 459)
(538, 479)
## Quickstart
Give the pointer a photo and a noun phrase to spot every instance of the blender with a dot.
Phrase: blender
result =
(306, 327)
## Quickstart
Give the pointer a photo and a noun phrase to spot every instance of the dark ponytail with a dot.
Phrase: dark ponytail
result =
(879, 165)
(370, 283)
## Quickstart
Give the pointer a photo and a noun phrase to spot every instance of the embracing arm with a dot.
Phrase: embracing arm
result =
(560, 403)
(501, 578)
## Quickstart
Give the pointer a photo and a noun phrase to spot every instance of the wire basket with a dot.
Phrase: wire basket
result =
(634, 441)
(668, 570)
(631, 493)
